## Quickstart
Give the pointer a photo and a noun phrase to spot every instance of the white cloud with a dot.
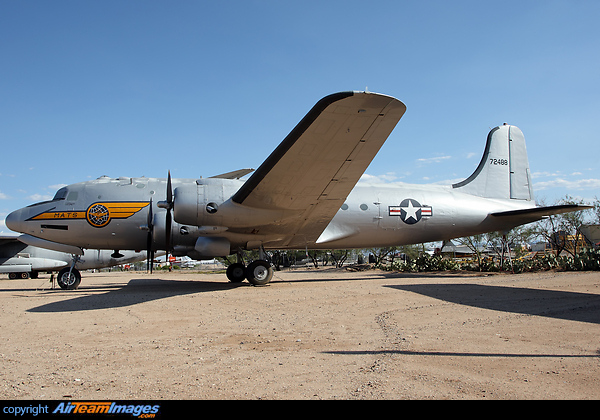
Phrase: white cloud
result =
(40, 197)
(379, 179)
(437, 159)
(578, 184)
(541, 174)
(3, 196)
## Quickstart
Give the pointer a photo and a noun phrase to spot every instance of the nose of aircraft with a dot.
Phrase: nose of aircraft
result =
(14, 221)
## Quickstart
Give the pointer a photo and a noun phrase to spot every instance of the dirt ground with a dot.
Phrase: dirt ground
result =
(310, 334)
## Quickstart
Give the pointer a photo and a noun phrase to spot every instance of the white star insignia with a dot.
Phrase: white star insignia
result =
(410, 211)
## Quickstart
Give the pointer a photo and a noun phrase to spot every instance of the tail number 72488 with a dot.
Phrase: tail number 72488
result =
(498, 161)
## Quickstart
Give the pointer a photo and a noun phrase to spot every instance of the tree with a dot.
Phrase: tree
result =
(596, 210)
(557, 229)
(476, 243)
(382, 253)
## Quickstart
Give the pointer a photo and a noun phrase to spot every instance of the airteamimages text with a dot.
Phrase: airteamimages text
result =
(140, 410)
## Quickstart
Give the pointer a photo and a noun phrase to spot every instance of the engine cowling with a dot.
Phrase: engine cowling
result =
(207, 203)
(208, 247)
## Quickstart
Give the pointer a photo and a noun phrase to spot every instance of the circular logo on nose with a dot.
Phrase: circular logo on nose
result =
(98, 215)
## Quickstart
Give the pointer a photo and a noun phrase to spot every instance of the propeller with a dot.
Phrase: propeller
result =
(168, 205)
(149, 240)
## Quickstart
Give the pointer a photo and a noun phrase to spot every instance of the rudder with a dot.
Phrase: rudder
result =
(504, 168)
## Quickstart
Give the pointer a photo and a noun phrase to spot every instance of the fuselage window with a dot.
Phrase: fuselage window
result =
(344, 206)
(364, 207)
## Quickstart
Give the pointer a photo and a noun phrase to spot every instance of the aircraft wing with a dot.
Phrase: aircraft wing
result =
(316, 166)
(234, 174)
(537, 213)
(6, 238)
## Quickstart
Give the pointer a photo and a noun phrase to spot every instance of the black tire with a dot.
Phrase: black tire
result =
(236, 272)
(259, 273)
(68, 282)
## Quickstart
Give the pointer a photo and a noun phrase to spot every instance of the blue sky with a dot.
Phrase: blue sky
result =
(137, 88)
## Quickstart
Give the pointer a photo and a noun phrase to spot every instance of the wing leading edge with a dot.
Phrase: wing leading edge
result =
(316, 166)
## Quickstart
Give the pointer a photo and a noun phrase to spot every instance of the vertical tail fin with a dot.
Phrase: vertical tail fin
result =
(504, 169)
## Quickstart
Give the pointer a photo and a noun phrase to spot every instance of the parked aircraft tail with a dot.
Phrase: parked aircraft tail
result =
(504, 169)
(504, 173)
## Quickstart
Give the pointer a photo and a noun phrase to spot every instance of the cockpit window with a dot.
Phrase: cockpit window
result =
(61, 194)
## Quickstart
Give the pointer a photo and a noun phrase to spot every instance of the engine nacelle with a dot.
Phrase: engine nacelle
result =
(208, 247)
(207, 203)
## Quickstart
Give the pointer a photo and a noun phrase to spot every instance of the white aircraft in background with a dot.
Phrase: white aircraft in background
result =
(20, 260)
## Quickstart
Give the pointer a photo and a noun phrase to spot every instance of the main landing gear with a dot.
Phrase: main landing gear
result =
(258, 272)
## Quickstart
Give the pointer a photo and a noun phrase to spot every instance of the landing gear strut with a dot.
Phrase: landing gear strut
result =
(69, 278)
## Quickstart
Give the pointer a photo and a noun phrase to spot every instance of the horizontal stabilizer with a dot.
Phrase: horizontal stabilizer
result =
(537, 213)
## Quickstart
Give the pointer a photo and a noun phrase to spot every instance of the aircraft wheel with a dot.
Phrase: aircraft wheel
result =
(12, 276)
(236, 273)
(259, 273)
(68, 282)
(24, 275)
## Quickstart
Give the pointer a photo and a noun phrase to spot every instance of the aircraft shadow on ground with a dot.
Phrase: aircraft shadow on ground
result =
(461, 354)
(572, 306)
(134, 292)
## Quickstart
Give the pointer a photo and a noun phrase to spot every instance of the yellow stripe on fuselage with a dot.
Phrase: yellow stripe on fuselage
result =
(117, 210)
(53, 215)
(123, 210)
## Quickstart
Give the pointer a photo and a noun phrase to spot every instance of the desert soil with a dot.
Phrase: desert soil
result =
(310, 334)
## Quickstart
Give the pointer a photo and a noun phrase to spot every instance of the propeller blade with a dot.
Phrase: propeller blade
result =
(149, 239)
(168, 220)
(169, 191)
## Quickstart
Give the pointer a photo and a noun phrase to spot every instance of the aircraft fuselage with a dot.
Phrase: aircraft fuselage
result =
(113, 214)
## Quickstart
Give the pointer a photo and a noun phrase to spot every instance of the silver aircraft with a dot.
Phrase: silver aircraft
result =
(303, 196)
(24, 260)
